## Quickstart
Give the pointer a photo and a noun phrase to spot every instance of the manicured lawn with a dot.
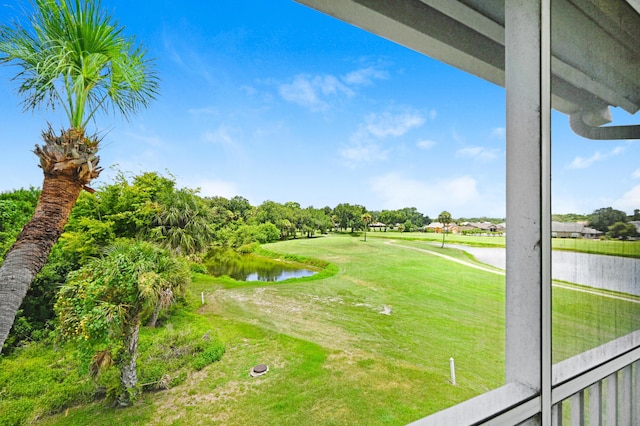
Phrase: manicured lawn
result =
(583, 245)
(334, 358)
(493, 241)
(607, 247)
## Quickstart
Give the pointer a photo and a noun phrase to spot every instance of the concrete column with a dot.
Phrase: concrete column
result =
(528, 293)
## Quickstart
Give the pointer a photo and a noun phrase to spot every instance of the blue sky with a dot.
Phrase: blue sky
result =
(275, 101)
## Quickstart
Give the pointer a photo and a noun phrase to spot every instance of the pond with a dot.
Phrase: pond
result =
(607, 272)
(249, 267)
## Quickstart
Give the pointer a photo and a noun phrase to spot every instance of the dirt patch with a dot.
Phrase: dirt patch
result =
(303, 315)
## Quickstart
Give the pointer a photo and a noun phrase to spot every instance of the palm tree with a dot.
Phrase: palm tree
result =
(445, 219)
(71, 55)
(366, 219)
(102, 304)
(183, 223)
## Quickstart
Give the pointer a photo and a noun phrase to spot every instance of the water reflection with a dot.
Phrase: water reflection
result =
(249, 267)
(621, 274)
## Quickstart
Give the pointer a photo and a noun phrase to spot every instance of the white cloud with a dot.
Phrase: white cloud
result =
(499, 133)
(223, 135)
(365, 145)
(363, 153)
(459, 195)
(309, 91)
(583, 163)
(365, 76)
(433, 114)
(248, 90)
(618, 150)
(425, 144)
(203, 111)
(636, 174)
(480, 153)
(317, 91)
(183, 52)
(630, 200)
(150, 140)
(392, 124)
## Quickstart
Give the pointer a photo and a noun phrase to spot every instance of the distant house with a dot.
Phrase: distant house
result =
(437, 227)
(434, 227)
(378, 225)
(573, 230)
(481, 227)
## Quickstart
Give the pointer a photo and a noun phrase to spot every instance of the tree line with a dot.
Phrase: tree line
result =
(615, 223)
(149, 207)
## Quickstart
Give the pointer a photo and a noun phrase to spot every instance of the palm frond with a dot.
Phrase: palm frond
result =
(74, 55)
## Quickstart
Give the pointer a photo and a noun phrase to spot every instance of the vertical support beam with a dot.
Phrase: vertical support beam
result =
(595, 404)
(611, 405)
(556, 414)
(528, 305)
(636, 393)
(577, 409)
(626, 390)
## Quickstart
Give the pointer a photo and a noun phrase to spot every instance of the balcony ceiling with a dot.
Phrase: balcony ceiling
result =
(595, 44)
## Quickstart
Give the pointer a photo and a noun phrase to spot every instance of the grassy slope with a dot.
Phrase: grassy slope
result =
(335, 359)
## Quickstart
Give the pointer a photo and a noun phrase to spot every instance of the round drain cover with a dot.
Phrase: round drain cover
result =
(259, 370)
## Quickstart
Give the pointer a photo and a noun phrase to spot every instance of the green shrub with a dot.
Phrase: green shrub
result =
(179, 379)
(198, 268)
(212, 353)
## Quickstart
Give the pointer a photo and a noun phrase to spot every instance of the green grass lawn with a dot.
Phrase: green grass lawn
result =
(583, 245)
(334, 358)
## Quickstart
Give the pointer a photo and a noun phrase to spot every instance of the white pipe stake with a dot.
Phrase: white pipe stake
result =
(202, 298)
(452, 366)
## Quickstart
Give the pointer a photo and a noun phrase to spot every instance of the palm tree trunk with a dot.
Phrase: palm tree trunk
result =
(128, 374)
(31, 250)
(153, 320)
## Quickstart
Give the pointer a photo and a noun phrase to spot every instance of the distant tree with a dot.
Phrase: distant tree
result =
(622, 230)
(320, 221)
(101, 305)
(412, 214)
(391, 217)
(603, 218)
(241, 207)
(366, 219)
(568, 217)
(636, 215)
(349, 216)
(132, 204)
(335, 221)
(445, 219)
(494, 220)
(270, 211)
(270, 232)
(305, 222)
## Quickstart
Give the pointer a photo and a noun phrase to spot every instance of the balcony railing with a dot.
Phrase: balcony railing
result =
(598, 387)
